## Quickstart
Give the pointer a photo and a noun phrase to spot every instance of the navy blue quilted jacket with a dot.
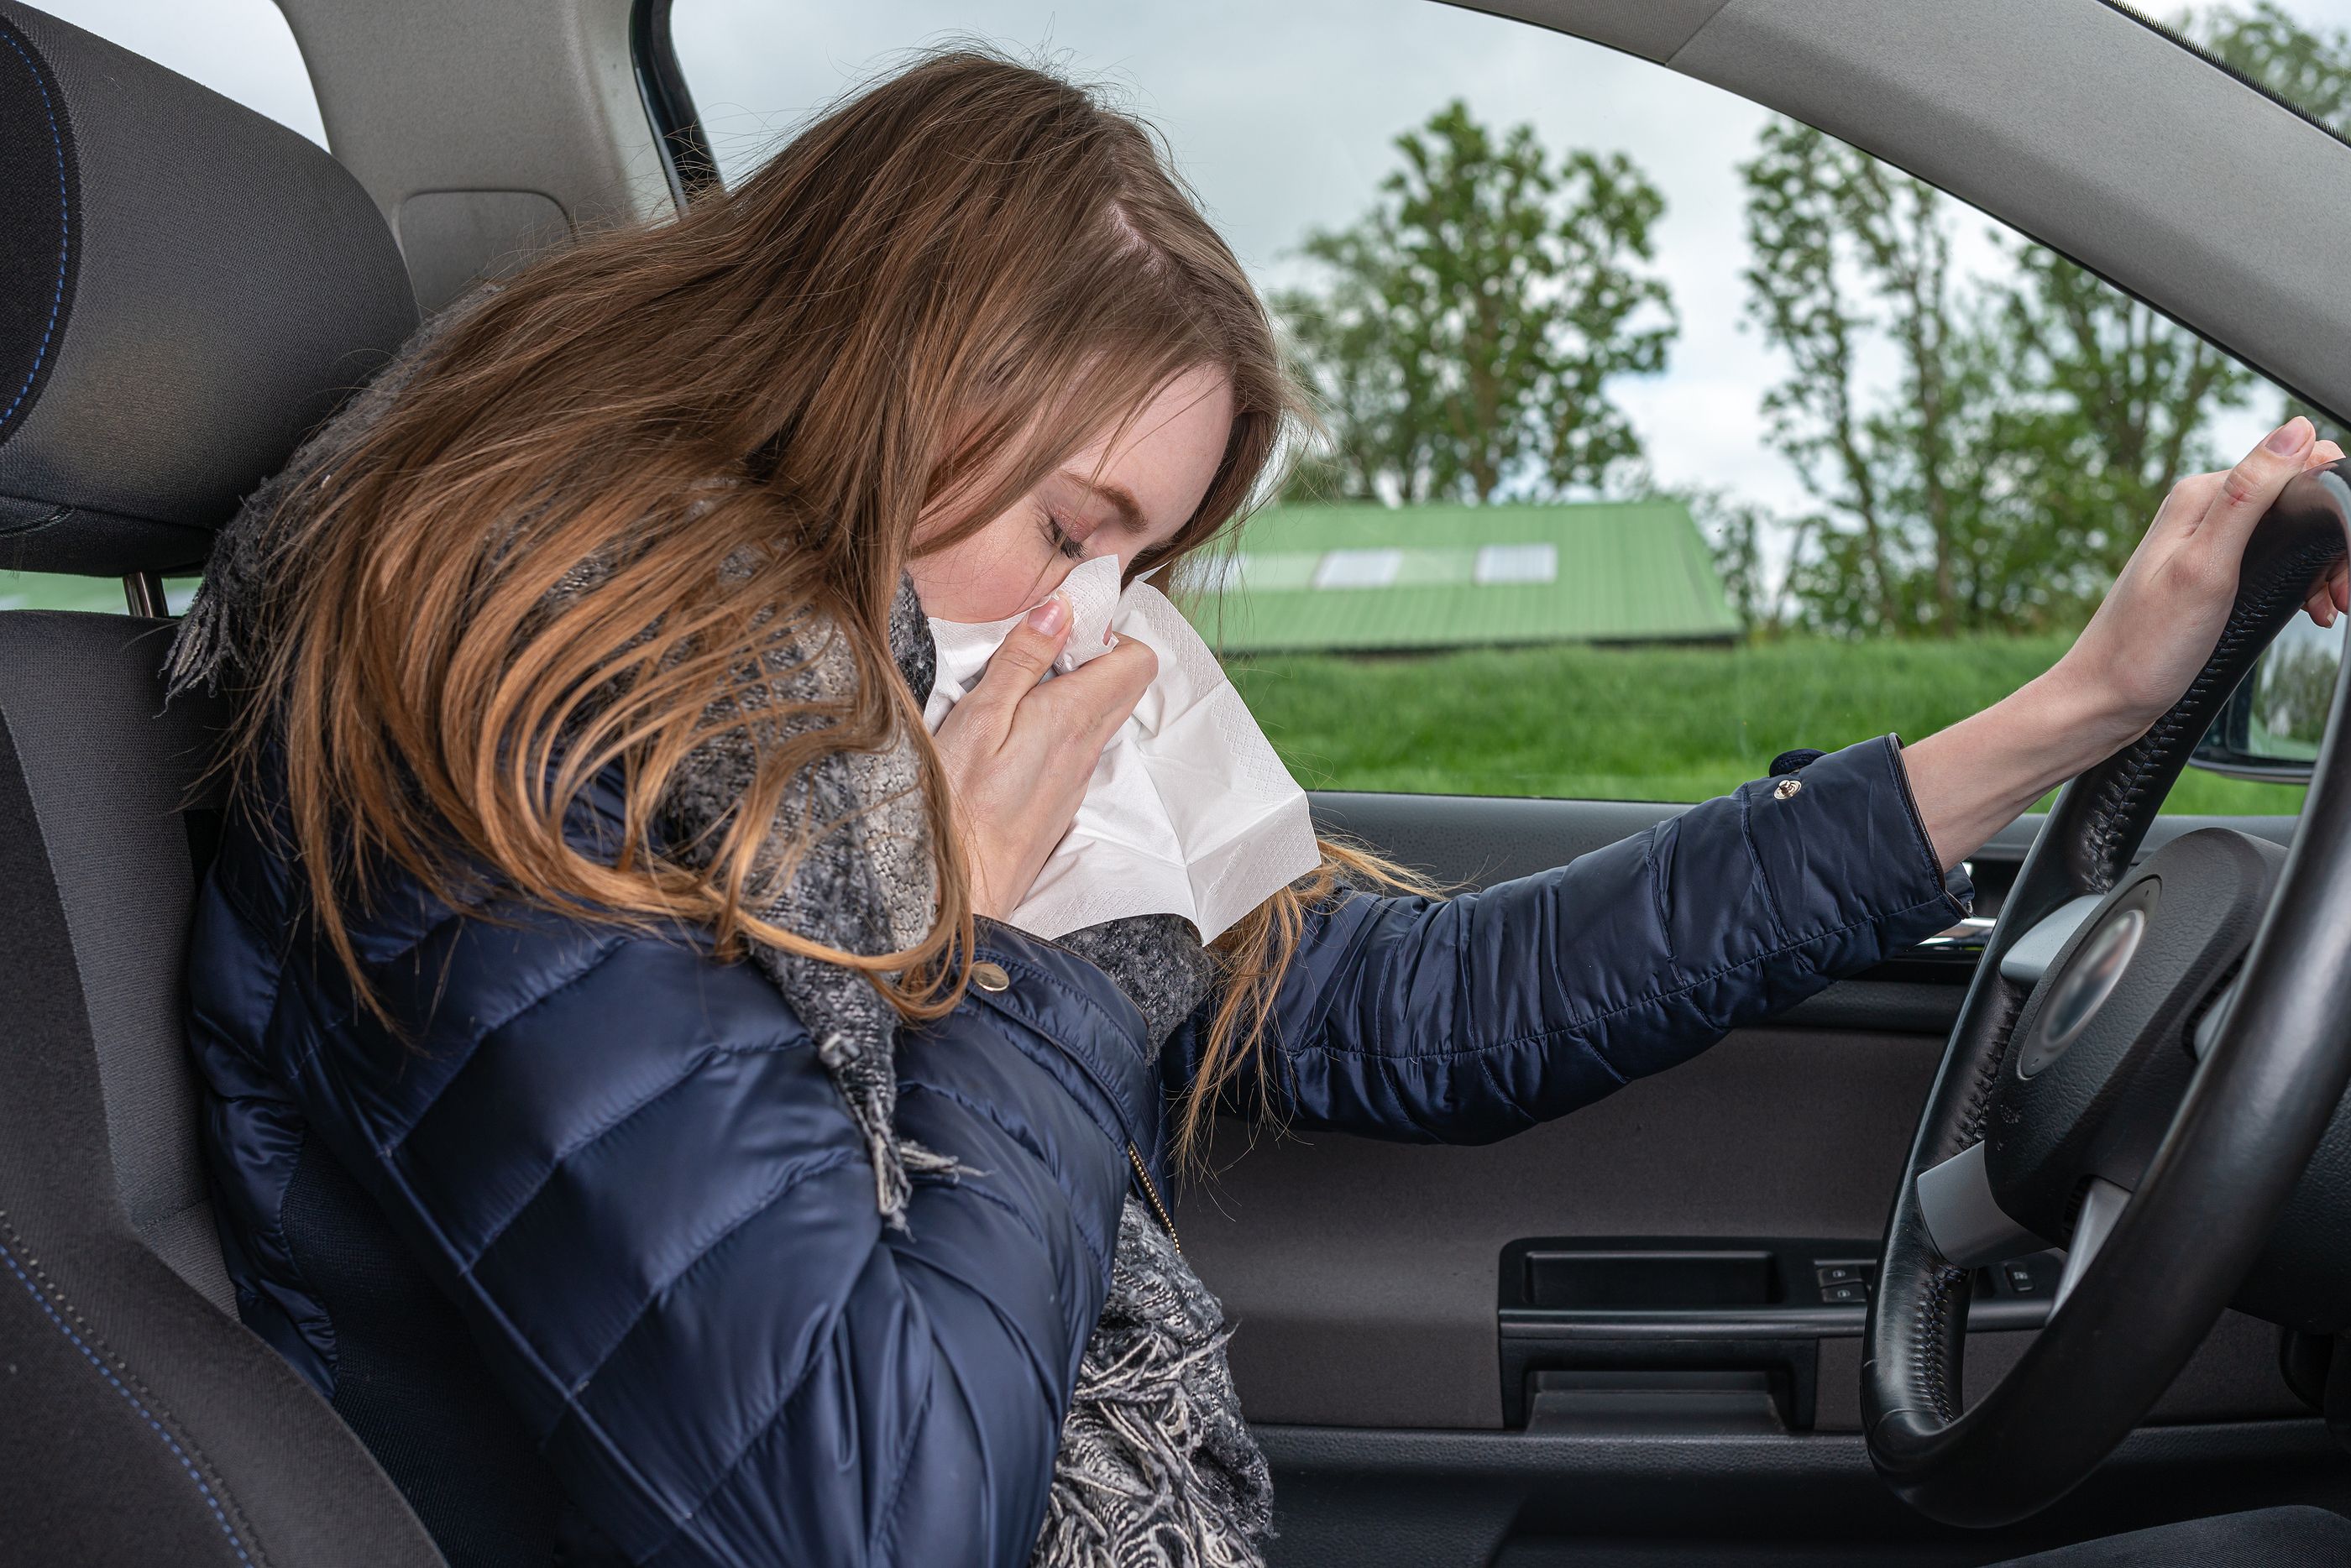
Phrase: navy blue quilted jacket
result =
(623, 1162)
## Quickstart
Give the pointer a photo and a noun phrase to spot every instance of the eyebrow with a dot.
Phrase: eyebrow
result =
(1121, 500)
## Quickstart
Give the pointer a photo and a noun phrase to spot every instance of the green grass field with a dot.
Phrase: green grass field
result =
(40, 590)
(1638, 724)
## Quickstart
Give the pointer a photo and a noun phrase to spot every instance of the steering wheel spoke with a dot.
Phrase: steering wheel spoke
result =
(2101, 1204)
(2029, 956)
(1963, 1215)
(2199, 1042)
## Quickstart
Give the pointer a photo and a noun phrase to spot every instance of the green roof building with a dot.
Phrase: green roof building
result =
(1364, 578)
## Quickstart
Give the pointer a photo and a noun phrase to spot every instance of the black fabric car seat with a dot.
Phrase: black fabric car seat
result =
(185, 288)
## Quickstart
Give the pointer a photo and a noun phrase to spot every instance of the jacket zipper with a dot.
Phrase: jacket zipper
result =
(1133, 1155)
(1151, 1196)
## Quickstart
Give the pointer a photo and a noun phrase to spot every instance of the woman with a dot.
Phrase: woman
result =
(599, 905)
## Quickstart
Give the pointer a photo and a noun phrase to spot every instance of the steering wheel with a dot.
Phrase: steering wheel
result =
(2144, 1065)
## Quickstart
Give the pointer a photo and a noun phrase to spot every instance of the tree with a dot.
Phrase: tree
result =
(2308, 67)
(1736, 533)
(1467, 329)
(1847, 256)
(1374, 382)
(2036, 418)
(2109, 405)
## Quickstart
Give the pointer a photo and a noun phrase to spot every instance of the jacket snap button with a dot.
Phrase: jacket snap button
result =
(990, 976)
(1786, 789)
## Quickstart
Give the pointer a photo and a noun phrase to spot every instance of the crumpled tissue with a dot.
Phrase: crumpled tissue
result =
(1189, 812)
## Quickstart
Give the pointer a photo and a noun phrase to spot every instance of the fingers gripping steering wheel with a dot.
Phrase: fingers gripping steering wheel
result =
(2147, 1094)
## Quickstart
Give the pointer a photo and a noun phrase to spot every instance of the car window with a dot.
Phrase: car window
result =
(242, 49)
(2293, 52)
(1663, 433)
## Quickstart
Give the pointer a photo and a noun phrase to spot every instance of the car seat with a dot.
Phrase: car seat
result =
(186, 289)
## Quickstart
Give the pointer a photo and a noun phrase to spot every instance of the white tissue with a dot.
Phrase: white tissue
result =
(1189, 812)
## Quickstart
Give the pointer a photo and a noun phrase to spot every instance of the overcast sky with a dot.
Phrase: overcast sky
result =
(1281, 112)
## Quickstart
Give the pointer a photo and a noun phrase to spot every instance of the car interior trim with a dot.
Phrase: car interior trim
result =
(1969, 1226)
(2032, 954)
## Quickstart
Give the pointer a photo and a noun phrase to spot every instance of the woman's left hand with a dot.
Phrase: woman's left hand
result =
(2142, 647)
(2159, 621)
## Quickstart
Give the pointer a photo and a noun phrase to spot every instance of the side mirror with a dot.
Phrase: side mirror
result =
(2271, 727)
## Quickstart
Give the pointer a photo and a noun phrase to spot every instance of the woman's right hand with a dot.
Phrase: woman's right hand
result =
(1019, 749)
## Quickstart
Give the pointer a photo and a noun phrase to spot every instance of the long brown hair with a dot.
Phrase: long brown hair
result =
(921, 307)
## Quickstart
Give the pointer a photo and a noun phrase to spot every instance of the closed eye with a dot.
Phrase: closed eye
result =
(1059, 537)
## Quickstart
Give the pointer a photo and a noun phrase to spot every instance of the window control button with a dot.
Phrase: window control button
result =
(1839, 1273)
(1852, 1294)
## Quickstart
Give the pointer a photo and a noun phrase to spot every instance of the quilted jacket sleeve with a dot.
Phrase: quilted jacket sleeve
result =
(1466, 1020)
(634, 1176)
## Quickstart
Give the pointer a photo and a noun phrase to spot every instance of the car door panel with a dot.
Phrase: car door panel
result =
(1364, 1274)
(1362, 1280)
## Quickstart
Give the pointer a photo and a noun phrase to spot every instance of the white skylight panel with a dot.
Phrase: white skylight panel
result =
(1517, 564)
(1358, 568)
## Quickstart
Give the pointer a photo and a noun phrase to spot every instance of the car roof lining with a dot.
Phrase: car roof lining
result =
(2070, 120)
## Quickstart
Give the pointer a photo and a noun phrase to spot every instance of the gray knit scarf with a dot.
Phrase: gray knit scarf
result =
(1156, 1468)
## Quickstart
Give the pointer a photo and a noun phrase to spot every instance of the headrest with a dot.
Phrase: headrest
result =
(186, 288)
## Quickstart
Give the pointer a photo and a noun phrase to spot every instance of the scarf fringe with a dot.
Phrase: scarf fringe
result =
(866, 1079)
(203, 645)
(1156, 1468)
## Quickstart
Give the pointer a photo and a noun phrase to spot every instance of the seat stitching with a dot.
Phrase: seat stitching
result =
(212, 1501)
(42, 1278)
(65, 231)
